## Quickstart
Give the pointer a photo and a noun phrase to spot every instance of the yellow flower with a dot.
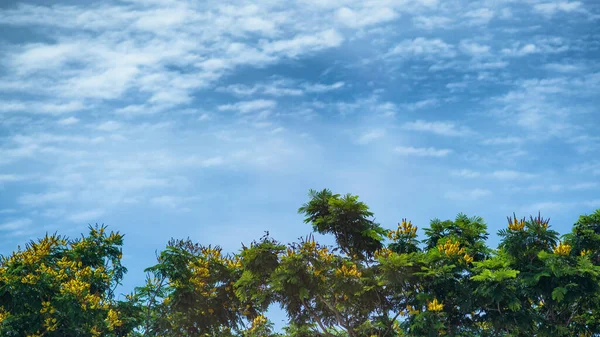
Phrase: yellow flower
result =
(95, 332)
(468, 258)
(259, 321)
(47, 308)
(50, 324)
(451, 248)
(113, 319)
(384, 252)
(514, 224)
(3, 315)
(30, 279)
(562, 249)
(405, 229)
(75, 287)
(435, 305)
(585, 252)
(348, 271)
(411, 310)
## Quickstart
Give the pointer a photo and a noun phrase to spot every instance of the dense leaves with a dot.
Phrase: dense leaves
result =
(60, 287)
(372, 282)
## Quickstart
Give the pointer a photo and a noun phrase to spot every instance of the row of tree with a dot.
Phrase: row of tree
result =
(373, 282)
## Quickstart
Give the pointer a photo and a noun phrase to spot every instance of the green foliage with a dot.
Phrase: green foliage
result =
(347, 219)
(451, 283)
(61, 287)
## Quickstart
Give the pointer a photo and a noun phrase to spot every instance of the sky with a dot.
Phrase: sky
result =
(212, 119)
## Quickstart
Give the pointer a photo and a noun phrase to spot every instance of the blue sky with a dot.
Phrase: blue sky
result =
(212, 119)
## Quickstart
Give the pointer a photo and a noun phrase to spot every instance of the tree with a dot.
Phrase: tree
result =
(61, 287)
(347, 219)
(371, 283)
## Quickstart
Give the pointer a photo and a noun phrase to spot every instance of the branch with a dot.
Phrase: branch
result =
(317, 319)
(337, 314)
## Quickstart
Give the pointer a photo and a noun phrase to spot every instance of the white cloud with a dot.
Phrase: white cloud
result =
(562, 67)
(592, 203)
(441, 128)
(40, 107)
(68, 121)
(423, 47)
(498, 174)
(109, 126)
(503, 141)
(304, 43)
(15, 225)
(511, 175)
(551, 8)
(89, 215)
(280, 87)
(365, 17)
(249, 106)
(422, 151)
(539, 106)
(432, 22)
(548, 207)
(480, 16)
(466, 173)
(174, 202)
(371, 135)
(422, 104)
(592, 168)
(211, 162)
(467, 195)
(41, 199)
(558, 187)
(474, 49)
(322, 88)
(552, 45)
(11, 178)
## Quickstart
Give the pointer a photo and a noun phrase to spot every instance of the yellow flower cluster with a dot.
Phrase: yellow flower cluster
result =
(47, 308)
(435, 305)
(50, 324)
(324, 254)
(348, 271)
(200, 272)
(258, 322)
(75, 287)
(309, 246)
(211, 252)
(585, 252)
(468, 258)
(112, 318)
(384, 252)
(3, 315)
(451, 248)
(410, 310)
(562, 249)
(234, 263)
(30, 279)
(404, 229)
(514, 224)
(92, 301)
(95, 332)
(483, 325)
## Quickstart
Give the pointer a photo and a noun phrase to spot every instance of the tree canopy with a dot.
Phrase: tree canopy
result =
(371, 282)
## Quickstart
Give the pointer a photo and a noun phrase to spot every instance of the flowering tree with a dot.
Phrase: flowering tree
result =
(61, 287)
(371, 283)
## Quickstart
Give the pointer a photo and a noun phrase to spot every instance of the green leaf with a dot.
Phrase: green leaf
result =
(559, 293)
